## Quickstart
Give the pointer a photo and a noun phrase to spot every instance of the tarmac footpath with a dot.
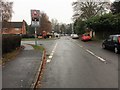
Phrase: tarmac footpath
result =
(23, 70)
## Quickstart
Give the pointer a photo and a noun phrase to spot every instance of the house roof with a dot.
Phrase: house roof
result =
(12, 24)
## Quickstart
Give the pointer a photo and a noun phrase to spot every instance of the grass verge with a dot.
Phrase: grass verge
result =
(28, 39)
(32, 39)
(36, 47)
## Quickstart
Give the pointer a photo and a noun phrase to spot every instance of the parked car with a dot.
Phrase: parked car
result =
(113, 43)
(85, 37)
(71, 35)
(75, 36)
(57, 35)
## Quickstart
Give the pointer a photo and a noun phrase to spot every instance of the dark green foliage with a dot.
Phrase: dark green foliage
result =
(10, 42)
(31, 30)
(28, 36)
(79, 26)
(103, 25)
(115, 7)
(107, 22)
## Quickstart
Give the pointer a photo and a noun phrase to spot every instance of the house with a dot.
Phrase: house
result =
(13, 28)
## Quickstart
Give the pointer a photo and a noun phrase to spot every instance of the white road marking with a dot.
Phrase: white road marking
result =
(90, 52)
(49, 60)
(103, 60)
(50, 57)
(80, 46)
(52, 53)
(100, 58)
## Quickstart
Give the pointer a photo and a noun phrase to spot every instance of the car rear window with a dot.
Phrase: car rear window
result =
(115, 39)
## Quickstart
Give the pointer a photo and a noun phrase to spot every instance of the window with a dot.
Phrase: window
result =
(110, 38)
(115, 39)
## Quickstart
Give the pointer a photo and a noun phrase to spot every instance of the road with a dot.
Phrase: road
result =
(72, 63)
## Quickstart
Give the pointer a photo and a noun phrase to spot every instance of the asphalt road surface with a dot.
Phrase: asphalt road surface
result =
(72, 63)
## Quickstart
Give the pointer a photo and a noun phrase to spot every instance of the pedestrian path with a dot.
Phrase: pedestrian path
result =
(21, 72)
(28, 47)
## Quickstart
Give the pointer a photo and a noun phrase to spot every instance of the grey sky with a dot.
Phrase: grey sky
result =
(59, 9)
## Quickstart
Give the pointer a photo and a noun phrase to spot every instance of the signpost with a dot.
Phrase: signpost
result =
(35, 21)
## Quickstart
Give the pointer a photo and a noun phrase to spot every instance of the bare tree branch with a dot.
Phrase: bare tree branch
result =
(6, 10)
(88, 8)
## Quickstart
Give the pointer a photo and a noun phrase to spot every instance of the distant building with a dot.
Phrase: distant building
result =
(13, 28)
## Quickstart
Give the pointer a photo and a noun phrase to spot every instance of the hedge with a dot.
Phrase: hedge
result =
(28, 36)
(10, 42)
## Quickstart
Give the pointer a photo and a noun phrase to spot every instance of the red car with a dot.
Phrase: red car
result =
(86, 37)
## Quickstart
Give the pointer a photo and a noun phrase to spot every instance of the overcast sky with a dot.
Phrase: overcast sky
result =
(59, 9)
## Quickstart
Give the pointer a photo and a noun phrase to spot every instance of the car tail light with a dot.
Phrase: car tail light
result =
(119, 39)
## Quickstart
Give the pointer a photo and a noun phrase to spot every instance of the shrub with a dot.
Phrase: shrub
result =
(28, 36)
(10, 42)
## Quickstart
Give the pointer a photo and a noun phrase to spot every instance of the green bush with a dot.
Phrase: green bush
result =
(10, 42)
(106, 22)
(104, 25)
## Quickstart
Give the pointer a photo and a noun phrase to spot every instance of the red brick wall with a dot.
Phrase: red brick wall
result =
(12, 31)
(21, 30)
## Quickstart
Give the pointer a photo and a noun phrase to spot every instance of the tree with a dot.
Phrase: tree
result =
(115, 7)
(45, 24)
(104, 25)
(54, 23)
(89, 8)
(63, 28)
(79, 26)
(6, 10)
(68, 28)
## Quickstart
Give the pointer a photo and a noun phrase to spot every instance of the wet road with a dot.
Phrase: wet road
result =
(77, 64)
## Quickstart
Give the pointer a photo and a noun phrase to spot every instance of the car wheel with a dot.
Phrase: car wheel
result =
(103, 46)
(116, 50)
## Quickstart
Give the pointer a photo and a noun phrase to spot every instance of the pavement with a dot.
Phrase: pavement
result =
(21, 72)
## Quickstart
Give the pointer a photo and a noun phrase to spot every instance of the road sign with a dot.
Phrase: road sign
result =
(35, 21)
(35, 13)
(35, 18)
